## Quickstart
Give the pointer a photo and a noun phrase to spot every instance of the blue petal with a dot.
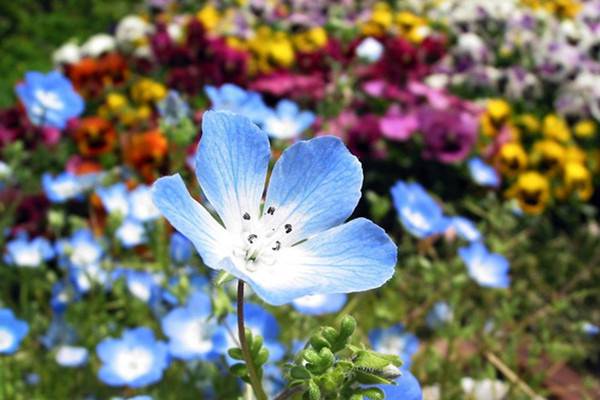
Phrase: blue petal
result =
(315, 185)
(407, 387)
(191, 219)
(355, 256)
(231, 165)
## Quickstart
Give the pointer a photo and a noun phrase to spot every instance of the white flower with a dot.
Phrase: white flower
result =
(97, 45)
(370, 50)
(485, 389)
(132, 32)
(68, 53)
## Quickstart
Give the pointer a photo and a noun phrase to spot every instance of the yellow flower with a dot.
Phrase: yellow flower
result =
(310, 40)
(146, 91)
(209, 16)
(585, 128)
(380, 21)
(576, 179)
(532, 192)
(575, 154)
(499, 110)
(114, 104)
(411, 26)
(555, 127)
(511, 159)
(281, 50)
(528, 123)
(548, 156)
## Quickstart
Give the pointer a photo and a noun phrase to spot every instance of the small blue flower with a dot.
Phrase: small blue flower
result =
(136, 359)
(49, 99)
(482, 173)
(114, 199)
(141, 205)
(12, 331)
(62, 295)
(407, 387)
(141, 284)
(80, 250)
(395, 340)
(83, 278)
(418, 211)
(260, 322)
(590, 329)
(131, 233)
(71, 356)
(487, 269)
(232, 98)
(440, 314)
(319, 304)
(299, 244)
(189, 330)
(173, 109)
(22, 252)
(181, 248)
(287, 121)
(465, 228)
(67, 186)
(59, 331)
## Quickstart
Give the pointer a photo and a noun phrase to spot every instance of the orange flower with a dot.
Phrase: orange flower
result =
(85, 77)
(112, 67)
(147, 153)
(95, 136)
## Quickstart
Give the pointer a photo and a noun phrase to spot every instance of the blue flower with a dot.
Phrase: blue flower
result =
(418, 212)
(319, 304)
(22, 252)
(49, 99)
(465, 228)
(590, 329)
(173, 109)
(61, 296)
(439, 314)
(482, 173)
(299, 245)
(82, 278)
(407, 387)
(12, 331)
(395, 340)
(114, 198)
(181, 248)
(80, 250)
(136, 359)
(189, 330)
(232, 98)
(287, 121)
(487, 269)
(71, 356)
(141, 284)
(67, 186)
(260, 322)
(141, 205)
(131, 233)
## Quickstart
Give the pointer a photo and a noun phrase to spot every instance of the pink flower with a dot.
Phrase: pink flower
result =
(397, 125)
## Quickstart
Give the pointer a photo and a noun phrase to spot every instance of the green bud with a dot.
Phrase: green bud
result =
(235, 353)
(330, 334)
(298, 372)
(373, 393)
(239, 369)
(262, 357)
(314, 393)
(256, 344)
(318, 342)
(347, 327)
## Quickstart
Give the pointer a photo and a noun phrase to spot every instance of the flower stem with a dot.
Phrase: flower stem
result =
(252, 374)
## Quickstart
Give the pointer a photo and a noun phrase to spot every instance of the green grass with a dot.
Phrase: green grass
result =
(30, 30)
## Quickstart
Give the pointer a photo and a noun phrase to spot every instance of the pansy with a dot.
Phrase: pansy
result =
(189, 329)
(406, 387)
(397, 341)
(71, 356)
(97, 45)
(49, 99)
(465, 228)
(67, 186)
(297, 245)
(487, 269)
(12, 331)
(22, 252)
(287, 121)
(318, 304)
(131, 233)
(181, 248)
(136, 359)
(418, 212)
(482, 173)
(230, 97)
(260, 322)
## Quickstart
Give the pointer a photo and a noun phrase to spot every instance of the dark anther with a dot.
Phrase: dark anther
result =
(277, 245)
(246, 216)
(271, 210)
(251, 238)
(288, 228)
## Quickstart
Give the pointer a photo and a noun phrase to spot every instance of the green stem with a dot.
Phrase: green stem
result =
(253, 375)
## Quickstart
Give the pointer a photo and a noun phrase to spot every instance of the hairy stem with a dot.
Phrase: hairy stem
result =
(252, 374)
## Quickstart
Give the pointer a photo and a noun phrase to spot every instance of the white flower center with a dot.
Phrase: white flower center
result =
(260, 241)
(139, 290)
(415, 218)
(49, 100)
(195, 337)
(133, 362)
(392, 344)
(286, 128)
(28, 257)
(312, 301)
(6, 339)
(84, 254)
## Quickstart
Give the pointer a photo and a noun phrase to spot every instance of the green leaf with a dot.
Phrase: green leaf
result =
(235, 353)
(239, 369)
